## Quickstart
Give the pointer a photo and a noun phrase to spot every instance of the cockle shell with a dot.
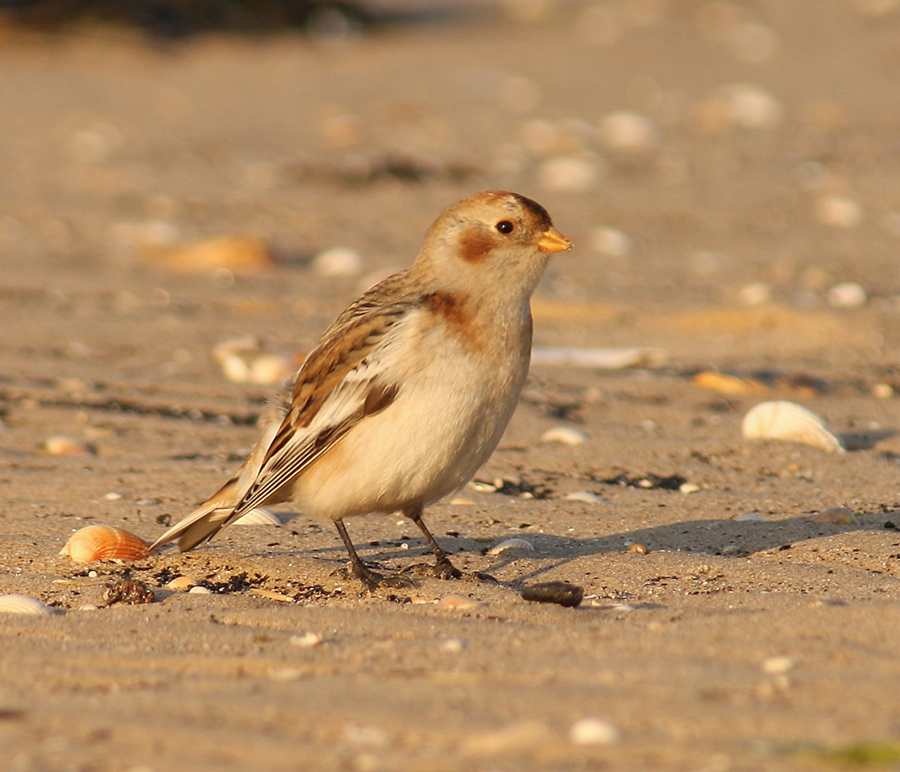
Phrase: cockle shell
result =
(104, 542)
(791, 422)
(258, 516)
(510, 544)
(23, 604)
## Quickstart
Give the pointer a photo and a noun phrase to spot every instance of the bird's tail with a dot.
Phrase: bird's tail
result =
(218, 510)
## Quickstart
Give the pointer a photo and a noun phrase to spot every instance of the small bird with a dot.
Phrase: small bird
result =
(409, 390)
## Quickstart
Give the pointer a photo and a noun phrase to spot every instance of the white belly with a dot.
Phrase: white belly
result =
(442, 427)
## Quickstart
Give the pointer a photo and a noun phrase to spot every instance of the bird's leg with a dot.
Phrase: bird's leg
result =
(361, 571)
(443, 568)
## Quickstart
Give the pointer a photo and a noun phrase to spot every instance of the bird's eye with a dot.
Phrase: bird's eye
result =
(505, 226)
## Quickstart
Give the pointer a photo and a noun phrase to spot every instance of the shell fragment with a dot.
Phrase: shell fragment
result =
(790, 422)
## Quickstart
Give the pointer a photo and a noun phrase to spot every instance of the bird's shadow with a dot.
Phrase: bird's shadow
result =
(729, 538)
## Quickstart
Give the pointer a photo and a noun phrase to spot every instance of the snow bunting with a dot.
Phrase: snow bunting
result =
(409, 390)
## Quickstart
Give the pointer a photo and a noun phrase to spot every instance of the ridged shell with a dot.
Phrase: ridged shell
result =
(510, 544)
(258, 516)
(791, 422)
(23, 604)
(104, 542)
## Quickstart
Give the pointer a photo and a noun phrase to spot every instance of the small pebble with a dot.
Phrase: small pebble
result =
(835, 516)
(593, 731)
(338, 262)
(756, 294)
(457, 603)
(584, 496)
(61, 445)
(611, 242)
(564, 435)
(838, 211)
(882, 391)
(848, 294)
(637, 547)
(308, 640)
(777, 665)
(453, 646)
(629, 135)
(568, 173)
(180, 584)
(112, 496)
(752, 107)
(751, 517)
(561, 593)
(689, 487)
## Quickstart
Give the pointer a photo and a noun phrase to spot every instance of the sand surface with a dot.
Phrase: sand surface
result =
(750, 635)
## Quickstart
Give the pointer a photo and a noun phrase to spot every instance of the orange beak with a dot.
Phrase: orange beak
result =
(553, 241)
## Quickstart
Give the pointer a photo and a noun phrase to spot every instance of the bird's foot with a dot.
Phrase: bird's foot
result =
(372, 580)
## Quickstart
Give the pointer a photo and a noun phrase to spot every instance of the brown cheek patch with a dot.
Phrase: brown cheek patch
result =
(475, 245)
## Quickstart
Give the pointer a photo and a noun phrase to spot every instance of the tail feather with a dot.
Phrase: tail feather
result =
(218, 510)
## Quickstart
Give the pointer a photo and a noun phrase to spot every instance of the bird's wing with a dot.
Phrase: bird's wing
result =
(342, 381)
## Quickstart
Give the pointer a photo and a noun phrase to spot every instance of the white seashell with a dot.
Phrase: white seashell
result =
(777, 665)
(629, 134)
(269, 369)
(23, 604)
(200, 590)
(510, 544)
(689, 487)
(60, 445)
(752, 107)
(113, 496)
(593, 731)
(790, 422)
(457, 603)
(306, 641)
(601, 358)
(453, 646)
(847, 294)
(750, 517)
(570, 173)
(584, 496)
(611, 242)
(258, 516)
(181, 584)
(564, 435)
(235, 368)
(337, 262)
(104, 542)
(838, 211)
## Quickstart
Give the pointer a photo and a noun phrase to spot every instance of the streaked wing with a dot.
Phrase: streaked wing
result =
(341, 382)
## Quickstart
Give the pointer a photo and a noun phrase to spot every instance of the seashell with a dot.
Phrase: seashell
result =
(337, 263)
(306, 641)
(725, 383)
(457, 603)
(200, 590)
(835, 516)
(565, 436)
(847, 294)
(637, 548)
(838, 211)
(270, 369)
(777, 665)
(510, 544)
(60, 445)
(752, 107)
(751, 517)
(15, 603)
(258, 516)
(629, 135)
(601, 358)
(585, 497)
(180, 584)
(453, 646)
(593, 731)
(756, 294)
(234, 254)
(791, 422)
(104, 542)
(611, 242)
(689, 487)
(570, 172)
